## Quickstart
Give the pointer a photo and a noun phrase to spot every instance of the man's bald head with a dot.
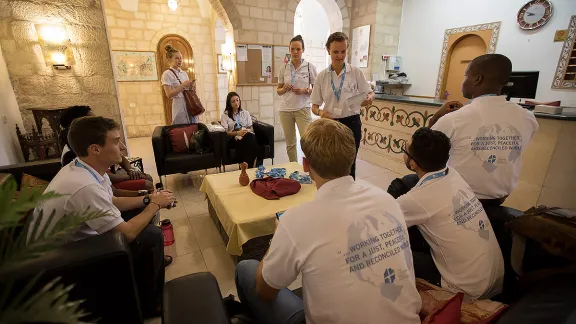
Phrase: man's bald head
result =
(486, 74)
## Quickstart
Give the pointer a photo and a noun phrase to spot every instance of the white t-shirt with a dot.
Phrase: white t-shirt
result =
(462, 240)
(354, 83)
(243, 119)
(488, 137)
(351, 245)
(300, 78)
(179, 112)
(82, 188)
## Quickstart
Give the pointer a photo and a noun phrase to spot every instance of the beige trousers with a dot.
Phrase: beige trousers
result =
(289, 119)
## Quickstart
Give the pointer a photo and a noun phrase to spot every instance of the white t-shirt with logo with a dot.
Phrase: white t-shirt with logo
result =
(354, 83)
(351, 245)
(488, 137)
(454, 223)
(304, 76)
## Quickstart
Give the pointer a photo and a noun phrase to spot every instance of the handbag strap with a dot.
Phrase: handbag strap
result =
(176, 75)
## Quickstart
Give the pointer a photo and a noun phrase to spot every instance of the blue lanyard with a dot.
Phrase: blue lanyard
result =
(339, 92)
(237, 121)
(78, 164)
(484, 95)
(434, 176)
(293, 75)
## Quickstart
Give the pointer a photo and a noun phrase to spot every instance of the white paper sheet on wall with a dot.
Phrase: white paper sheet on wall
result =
(267, 61)
(241, 53)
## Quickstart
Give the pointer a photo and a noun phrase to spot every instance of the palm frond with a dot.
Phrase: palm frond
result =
(13, 208)
(33, 241)
(49, 305)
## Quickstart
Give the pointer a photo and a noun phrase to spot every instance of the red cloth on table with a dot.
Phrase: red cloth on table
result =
(274, 188)
(139, 184)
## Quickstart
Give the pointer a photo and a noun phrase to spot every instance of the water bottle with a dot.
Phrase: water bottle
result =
(167, 232)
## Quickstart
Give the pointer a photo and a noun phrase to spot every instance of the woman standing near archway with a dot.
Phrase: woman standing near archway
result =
(174, 81)
(294, 81)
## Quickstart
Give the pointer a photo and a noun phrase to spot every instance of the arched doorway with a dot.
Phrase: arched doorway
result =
(462, 53)
(312, 22)
(185, 49)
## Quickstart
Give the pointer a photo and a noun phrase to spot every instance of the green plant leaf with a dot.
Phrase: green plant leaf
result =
(49, 305)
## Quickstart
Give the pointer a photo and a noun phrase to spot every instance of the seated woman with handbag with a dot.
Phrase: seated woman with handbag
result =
(238, 125)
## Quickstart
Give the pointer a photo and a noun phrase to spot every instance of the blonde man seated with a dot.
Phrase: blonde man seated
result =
(350, 244)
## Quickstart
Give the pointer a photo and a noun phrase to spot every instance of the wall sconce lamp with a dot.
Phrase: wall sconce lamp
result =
(227, 55)
(55, 44)
(172, 4)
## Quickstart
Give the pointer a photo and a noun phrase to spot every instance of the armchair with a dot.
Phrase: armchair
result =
(264, 136)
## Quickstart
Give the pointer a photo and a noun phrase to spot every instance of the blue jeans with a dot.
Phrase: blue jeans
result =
(287, 308)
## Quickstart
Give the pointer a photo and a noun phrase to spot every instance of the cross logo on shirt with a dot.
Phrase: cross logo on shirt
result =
(389, 276)
(492, 158)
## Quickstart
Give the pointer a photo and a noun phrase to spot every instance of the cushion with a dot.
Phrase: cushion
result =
(139, 184)
(447, 312)
(274, 188)
(471, 311)
(549, 103)
(180, 137)
(31, 182)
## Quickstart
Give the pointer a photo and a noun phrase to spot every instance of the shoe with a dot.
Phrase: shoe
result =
(167, 260)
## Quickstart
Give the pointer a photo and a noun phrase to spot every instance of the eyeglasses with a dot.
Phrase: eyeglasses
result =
(403, 149)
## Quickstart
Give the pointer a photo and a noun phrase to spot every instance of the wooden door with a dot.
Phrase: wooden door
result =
(464, 51)
(182, 45)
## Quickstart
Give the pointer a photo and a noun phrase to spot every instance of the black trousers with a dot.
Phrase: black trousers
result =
(355, 124)
(246, 148)
(148, 258)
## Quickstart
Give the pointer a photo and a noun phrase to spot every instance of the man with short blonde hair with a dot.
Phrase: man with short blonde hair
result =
(331, 156)
(350, 244)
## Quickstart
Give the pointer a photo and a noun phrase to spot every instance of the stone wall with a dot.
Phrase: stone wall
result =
(384, 17)
(142, 102)
(36, 85)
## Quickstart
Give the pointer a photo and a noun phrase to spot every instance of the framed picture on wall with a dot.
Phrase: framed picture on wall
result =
(135, 66)
(221, 69)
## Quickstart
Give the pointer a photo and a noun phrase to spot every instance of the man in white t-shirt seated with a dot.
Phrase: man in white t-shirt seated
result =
(84, 185)
(350, 244)
(489, 134)
(465, 256)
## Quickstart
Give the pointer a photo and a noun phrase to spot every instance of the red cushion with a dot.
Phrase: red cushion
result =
(446, 313)
(135, 185)
(272, 188)
(180, 137)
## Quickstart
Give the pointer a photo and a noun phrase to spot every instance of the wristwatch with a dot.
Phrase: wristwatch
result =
(146, 199)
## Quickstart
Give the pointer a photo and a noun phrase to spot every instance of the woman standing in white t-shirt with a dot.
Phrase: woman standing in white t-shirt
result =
(174, 81)
(294, 81)
(338, 87)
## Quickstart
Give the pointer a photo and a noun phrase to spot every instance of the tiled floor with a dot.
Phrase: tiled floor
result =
(198, 246)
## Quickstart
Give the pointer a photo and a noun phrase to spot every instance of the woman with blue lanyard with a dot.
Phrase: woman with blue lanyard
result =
(294, 81)
(342, 89)
(238, 125)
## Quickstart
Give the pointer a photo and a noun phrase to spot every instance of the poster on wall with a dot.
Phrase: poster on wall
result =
(360, 46)
(267, 62)
(281, 57)
(241, 53)
(135, 66)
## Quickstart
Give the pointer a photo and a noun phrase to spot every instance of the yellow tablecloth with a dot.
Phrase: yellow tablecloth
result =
(243, 214)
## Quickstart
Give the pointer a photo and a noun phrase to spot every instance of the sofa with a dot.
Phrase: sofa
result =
(264, 136)
(169, 162)
(101, 270)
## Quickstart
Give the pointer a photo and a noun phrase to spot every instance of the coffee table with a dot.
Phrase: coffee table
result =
(244, 219)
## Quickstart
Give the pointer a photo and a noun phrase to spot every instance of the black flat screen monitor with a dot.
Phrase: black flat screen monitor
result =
(522, 85)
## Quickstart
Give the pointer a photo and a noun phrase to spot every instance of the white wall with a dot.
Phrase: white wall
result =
(422, 32)
(312, 23)
(9, 148)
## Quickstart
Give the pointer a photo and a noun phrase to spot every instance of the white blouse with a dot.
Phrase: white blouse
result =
(242, 119)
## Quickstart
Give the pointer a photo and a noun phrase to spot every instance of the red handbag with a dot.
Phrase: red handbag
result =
(193, 104)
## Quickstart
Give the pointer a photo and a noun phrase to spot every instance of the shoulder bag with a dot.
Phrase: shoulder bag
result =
(193, 104)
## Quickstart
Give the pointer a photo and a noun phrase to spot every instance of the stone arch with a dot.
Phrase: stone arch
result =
(337, 12)
(227, 12)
